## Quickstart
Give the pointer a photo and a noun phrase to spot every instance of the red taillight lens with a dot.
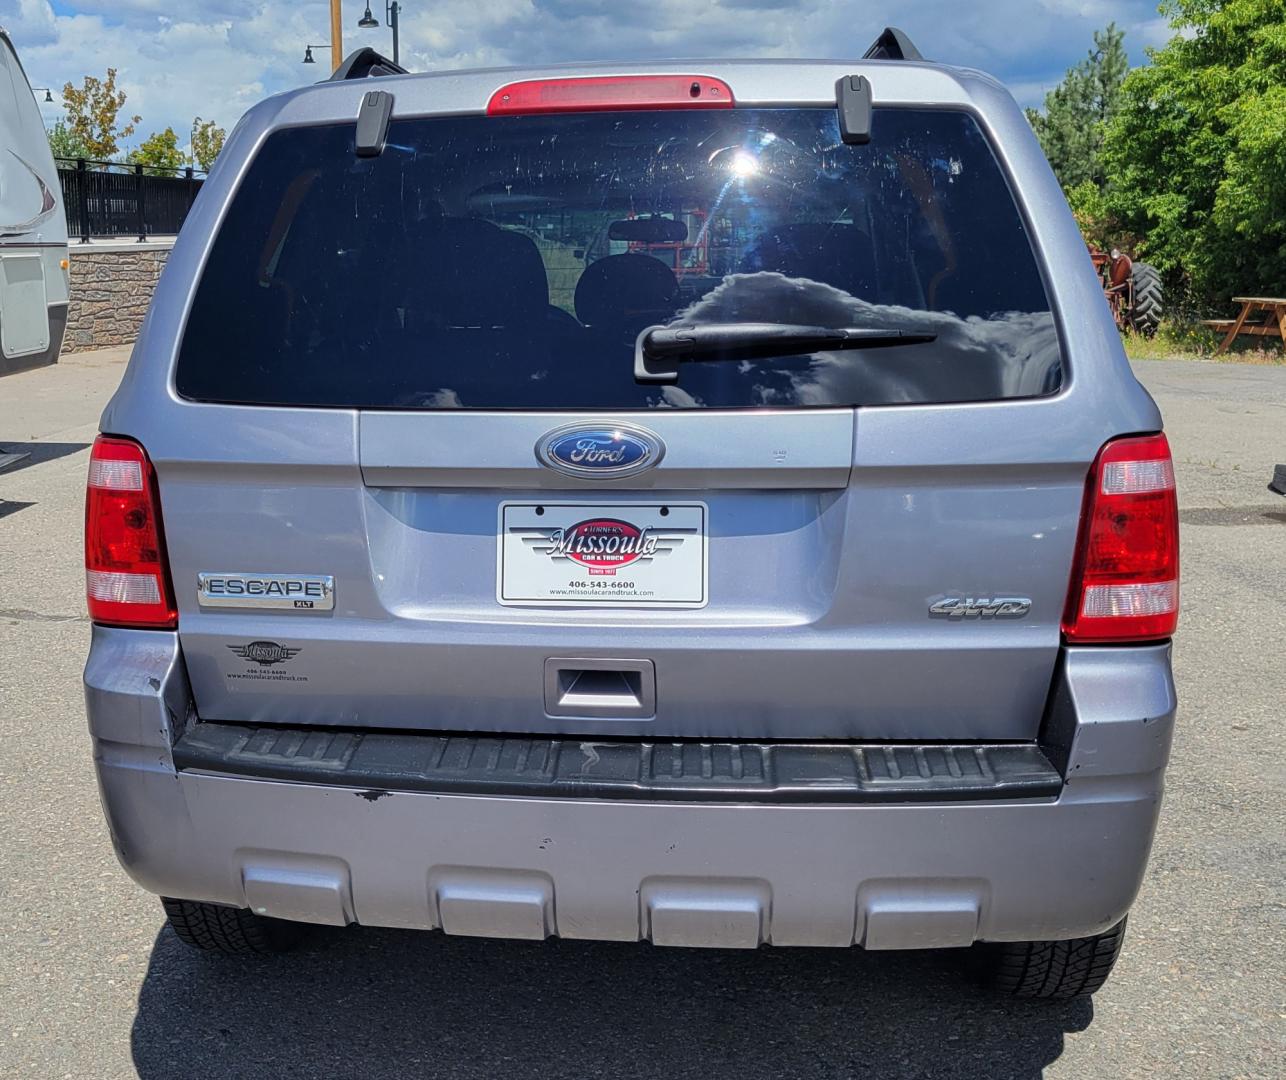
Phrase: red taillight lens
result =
(611, 92)
(126, 581)
(1125, 586)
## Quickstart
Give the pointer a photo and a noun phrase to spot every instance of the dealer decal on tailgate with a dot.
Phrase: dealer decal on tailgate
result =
(618, 555)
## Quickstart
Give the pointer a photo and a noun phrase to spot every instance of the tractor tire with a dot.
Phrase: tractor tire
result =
(1145, 315)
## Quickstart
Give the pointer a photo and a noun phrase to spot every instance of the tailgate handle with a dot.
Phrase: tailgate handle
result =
(607, 689)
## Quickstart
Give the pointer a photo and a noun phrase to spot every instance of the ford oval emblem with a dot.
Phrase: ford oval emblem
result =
(601, 451)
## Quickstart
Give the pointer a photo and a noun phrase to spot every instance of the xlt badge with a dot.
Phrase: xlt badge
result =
(296, 592)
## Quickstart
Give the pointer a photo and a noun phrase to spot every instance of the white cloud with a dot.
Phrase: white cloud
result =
(215, 58)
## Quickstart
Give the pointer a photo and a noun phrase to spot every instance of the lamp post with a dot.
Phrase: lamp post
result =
(336, 36)
(49, 97)
(336, 43)
(392, 9)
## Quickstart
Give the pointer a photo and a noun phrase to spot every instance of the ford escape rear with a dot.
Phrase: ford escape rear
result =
(703, 503)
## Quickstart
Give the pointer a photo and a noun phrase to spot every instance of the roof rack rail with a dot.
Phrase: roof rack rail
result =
(892, 44)
(366, 64)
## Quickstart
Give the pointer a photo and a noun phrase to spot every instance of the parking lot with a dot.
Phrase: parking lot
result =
(91, 985)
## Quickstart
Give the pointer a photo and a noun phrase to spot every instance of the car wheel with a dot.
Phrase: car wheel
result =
(1049, 969)
(237, 931)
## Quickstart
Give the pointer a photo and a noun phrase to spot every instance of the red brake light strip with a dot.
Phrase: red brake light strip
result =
(610, 93)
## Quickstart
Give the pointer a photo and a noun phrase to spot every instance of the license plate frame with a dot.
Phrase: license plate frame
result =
(574, 553)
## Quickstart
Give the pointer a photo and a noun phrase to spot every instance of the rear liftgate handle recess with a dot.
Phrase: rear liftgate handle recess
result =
(607, 689)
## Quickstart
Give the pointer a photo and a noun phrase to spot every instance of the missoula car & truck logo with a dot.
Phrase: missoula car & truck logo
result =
(265, 653)
(603, 545)
(263, 658)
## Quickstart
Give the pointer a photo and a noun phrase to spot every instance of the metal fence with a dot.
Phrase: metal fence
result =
(109, 199)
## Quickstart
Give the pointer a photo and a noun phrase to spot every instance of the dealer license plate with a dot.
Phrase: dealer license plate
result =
(613, 555)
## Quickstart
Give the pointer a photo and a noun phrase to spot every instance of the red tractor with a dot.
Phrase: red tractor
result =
(1133, 290)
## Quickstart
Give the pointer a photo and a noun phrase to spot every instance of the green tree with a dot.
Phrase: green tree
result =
(160, 150)
(1079, 109)
(64, 143)
(93, 111)
(1197, 151)
(207, 142)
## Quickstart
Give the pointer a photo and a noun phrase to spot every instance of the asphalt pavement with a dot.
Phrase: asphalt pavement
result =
(93, 985)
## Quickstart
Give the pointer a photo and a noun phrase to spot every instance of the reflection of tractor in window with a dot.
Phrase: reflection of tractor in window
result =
(1133, 290)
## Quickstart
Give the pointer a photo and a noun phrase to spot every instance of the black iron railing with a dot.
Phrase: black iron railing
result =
(108, 198)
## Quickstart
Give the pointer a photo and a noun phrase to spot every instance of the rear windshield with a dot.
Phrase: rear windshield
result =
(511, 262)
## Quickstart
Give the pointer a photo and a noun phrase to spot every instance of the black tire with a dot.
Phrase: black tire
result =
(236, 931)
(1057, 970)
(1145, 315)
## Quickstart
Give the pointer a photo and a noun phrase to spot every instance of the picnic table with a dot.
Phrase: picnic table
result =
(1273, 322)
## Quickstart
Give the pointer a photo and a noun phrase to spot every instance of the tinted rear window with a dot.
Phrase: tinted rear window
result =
(510, 263)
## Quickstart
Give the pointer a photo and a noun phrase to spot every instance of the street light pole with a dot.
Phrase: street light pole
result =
(336, 37)
(392, 9)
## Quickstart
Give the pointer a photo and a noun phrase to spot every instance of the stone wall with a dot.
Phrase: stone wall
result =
(111, 286)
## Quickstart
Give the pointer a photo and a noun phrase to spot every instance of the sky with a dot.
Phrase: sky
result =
(179, 59)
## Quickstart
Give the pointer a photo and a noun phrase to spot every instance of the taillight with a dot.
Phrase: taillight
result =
(126, 581)
(1125, 585)
(611, 92)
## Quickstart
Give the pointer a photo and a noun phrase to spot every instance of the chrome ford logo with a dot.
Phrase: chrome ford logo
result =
(603, 451)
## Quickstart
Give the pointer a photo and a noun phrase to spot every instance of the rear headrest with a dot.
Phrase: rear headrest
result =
(625, 293)
(479, 274)
(841, 255)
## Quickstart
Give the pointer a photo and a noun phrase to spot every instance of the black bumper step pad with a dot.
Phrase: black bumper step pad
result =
(647, 770)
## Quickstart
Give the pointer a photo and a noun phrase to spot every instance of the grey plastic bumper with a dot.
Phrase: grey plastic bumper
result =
(910, 875)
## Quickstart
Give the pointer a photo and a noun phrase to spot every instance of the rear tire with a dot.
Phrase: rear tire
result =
(236, 931)
(1057, 970)
(1148, 308)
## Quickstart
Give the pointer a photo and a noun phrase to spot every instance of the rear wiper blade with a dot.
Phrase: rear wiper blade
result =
(659, 350)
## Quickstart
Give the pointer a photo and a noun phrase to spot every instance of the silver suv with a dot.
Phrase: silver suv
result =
(705, 503)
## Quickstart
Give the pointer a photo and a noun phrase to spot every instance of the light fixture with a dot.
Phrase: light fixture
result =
(308, 51)
(49, 97)
(392, 16)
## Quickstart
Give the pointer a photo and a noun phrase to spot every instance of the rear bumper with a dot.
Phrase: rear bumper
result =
(715, 873)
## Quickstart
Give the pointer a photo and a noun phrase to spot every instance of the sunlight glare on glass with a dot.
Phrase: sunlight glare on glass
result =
(744, 164)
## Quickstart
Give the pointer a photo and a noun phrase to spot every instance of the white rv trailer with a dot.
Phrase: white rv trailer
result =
(33, 227)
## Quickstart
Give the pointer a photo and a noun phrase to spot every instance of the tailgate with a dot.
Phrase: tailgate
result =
(425, 411)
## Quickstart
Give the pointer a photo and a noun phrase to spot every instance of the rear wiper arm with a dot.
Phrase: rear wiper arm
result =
(659, 350)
